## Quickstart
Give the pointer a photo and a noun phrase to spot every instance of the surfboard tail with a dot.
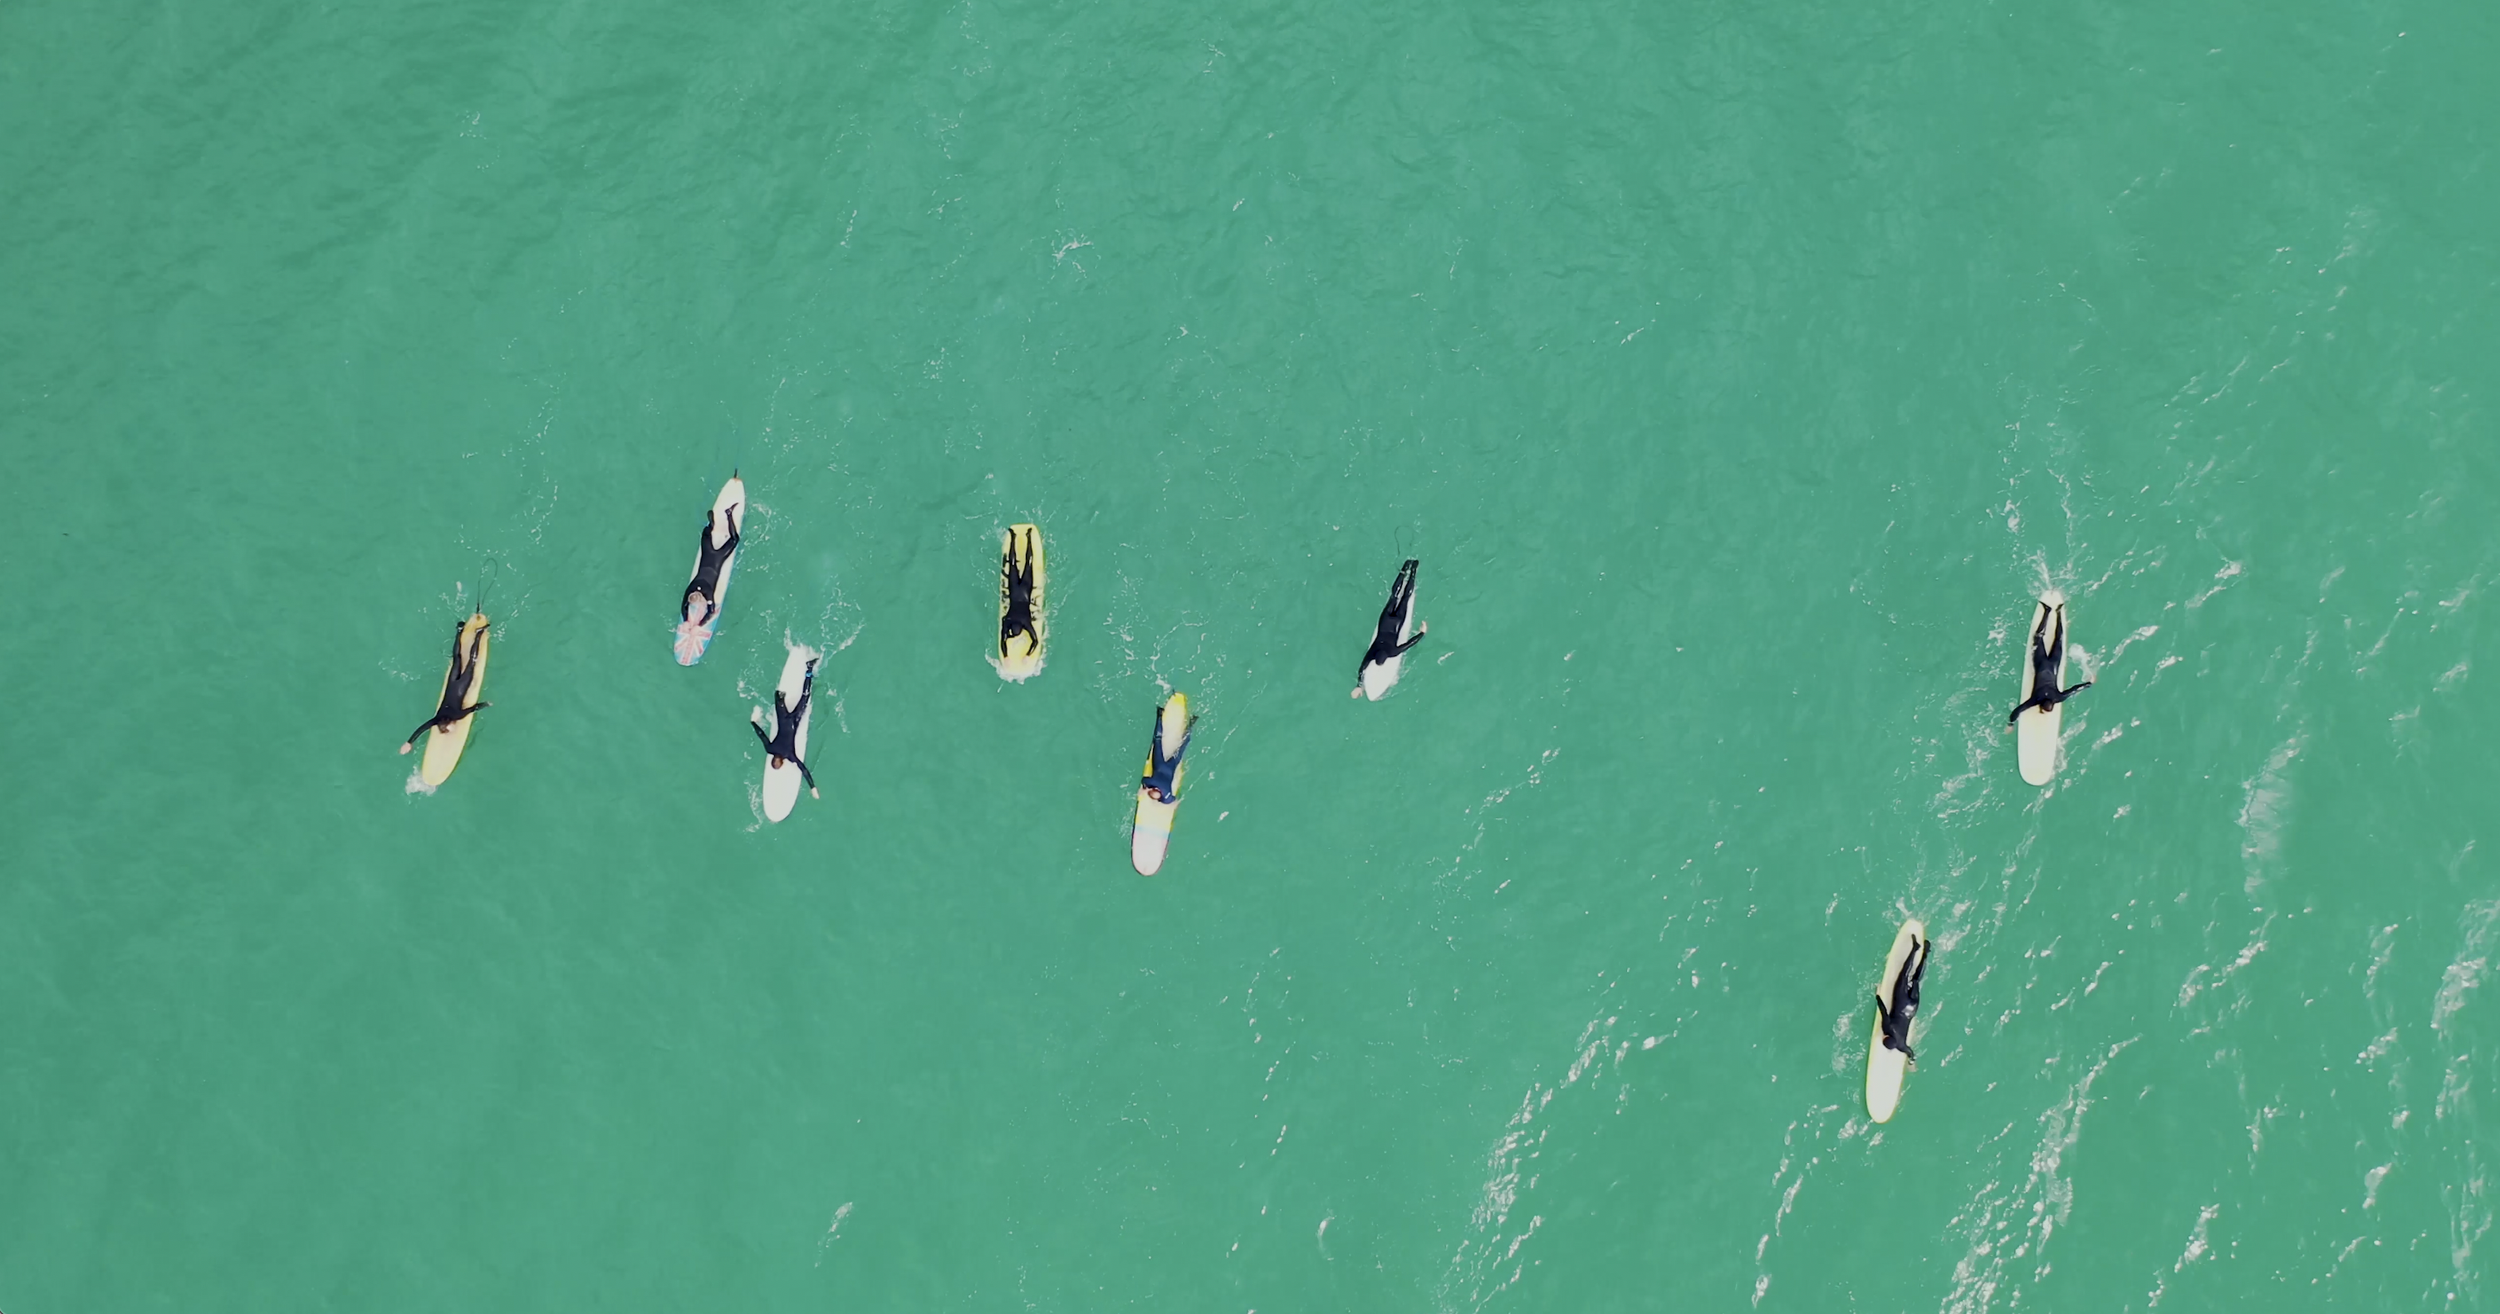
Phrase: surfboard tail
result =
(692, 640)
(1150, 835)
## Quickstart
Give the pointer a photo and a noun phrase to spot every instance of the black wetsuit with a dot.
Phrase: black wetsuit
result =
(1897, 1019)
(1017, 584)
(1385, 643)
(1163, 773)
(456, 689)
(707, 568)
(783, 742)
(2048, 653)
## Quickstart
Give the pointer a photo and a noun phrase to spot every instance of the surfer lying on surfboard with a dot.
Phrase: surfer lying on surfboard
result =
(1393, 614)
(2048, 659)
(1162, 772)
(455, 688)
(782, 745)
(702, 596)
(1904, 1001)
(1018, 569)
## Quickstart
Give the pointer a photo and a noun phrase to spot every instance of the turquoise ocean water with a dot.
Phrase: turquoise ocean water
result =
(1737, 372)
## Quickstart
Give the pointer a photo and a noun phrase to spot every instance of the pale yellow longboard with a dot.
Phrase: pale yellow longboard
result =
(2037, 729)
(1020, 658)
(1153, 831)
(1885, 1066)
(443, 744)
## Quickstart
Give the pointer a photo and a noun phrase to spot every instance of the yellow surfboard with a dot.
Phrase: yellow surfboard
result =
(443, 744)
(1152, 832)
(1020, 654)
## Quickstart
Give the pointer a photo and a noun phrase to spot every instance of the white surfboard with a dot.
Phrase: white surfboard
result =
(1885, 1066)
(1152, 833)
(783, 783)
(1380, 678)
(2036, 730)
(693, 639)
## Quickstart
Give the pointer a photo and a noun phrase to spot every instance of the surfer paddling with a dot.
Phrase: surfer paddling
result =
(2048, 659)
(1162, 779)
(702, 596)
(782, 745)
(1896, 1019)
(1016, 579)
(449, 713)
(1393, 614)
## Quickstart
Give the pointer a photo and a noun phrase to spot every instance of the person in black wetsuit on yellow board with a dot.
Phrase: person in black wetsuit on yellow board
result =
(701, 601)
(782, 745)
(456, 688)
(1016, 573)
(1904, 1008)
(1163, 773)
(2048, 657)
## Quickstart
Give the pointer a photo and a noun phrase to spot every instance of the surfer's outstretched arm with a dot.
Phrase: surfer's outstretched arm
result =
(1401, 648)
(806, 775)
(759, 732)
(441, 720)
(2045, 699)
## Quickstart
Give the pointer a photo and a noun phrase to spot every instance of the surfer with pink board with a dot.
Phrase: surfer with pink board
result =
(698, 608)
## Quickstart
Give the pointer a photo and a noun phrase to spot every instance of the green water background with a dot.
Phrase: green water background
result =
(1737, 372)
